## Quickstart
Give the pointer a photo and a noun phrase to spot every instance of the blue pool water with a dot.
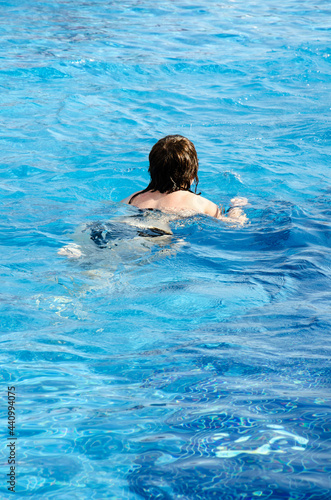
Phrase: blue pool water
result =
(198, 366)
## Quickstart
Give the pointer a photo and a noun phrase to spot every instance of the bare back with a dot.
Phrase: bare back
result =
(177, 201)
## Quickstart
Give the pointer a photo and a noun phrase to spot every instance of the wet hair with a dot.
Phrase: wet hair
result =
(173, 163)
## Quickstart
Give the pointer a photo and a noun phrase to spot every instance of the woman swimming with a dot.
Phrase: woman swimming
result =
(173, 168)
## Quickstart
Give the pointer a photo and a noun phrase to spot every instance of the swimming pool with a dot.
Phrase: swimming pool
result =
(197, 367)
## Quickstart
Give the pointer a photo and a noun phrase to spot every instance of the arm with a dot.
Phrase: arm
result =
(235, 213)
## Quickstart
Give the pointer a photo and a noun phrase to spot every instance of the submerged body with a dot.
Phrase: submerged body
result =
(136, 231)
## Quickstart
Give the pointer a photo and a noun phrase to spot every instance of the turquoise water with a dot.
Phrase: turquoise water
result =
(195, 366)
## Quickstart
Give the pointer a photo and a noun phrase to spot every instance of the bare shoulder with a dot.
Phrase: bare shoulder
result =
(207, 207)
(127, 199)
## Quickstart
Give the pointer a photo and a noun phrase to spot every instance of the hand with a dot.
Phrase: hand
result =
(238, 202)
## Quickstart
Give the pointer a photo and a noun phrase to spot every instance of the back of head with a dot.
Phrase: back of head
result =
(173, 164)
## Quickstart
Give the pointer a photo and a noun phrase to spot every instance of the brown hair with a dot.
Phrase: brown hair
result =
(173, 163)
